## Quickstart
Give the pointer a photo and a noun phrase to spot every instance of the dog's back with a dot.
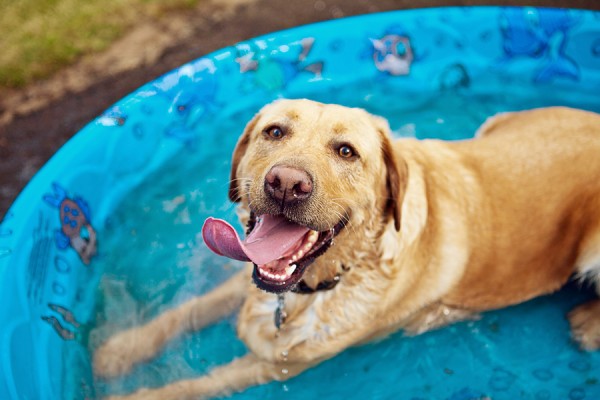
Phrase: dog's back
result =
(539, 174)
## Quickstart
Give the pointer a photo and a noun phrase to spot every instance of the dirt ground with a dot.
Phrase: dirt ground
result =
(37, 120)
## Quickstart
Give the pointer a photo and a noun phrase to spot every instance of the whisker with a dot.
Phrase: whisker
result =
(236, 180)
(343, 215)
(244, 187)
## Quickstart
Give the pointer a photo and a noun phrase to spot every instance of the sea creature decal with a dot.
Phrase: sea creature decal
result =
(393, 54)
(191, 92)
(539, 34)
(65, 316)
(275, 72)
(454, 77)
(76, 230)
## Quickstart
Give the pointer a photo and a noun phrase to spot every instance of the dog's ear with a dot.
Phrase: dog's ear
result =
(396, 174)
(238, 153)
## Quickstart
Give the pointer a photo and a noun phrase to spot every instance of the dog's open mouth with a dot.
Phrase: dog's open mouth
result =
(280, 249)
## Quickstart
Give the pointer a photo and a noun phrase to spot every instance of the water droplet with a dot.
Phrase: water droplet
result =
(284, 371)
(284, 354)
(285, 388)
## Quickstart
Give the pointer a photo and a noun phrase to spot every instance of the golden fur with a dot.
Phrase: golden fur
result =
(438, 231)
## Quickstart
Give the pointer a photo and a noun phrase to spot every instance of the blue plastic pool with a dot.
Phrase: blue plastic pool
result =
(106, 235)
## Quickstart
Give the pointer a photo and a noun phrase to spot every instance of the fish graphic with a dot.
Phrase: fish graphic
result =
(539, 34)
(76, 230)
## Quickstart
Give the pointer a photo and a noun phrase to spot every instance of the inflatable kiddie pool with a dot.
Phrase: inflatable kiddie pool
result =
(106, 234)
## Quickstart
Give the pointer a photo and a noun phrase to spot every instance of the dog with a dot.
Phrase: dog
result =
(353, 236)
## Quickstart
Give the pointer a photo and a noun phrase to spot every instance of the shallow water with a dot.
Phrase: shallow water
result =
(153, 258)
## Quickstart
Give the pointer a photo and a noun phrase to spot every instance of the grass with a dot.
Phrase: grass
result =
(38, 37)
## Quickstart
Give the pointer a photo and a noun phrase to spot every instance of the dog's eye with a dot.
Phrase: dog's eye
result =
(274, 132)
(346, 151)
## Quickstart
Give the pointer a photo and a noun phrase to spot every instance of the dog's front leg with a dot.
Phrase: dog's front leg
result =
(118, 355)
(434, 316)
(236, 376)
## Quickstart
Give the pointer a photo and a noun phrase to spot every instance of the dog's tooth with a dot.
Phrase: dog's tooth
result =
(278, 277)
(290, 270)
(300, 253)
(294, 258)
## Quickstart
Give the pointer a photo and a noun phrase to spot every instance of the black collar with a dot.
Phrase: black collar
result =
(303, 288)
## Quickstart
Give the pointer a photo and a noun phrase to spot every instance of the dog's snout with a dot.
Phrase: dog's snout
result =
(288, 184)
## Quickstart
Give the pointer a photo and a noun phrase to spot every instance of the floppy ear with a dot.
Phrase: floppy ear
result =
(396, 174)
(238, 153)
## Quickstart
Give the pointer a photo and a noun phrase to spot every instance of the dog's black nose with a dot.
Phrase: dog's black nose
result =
(288, 185)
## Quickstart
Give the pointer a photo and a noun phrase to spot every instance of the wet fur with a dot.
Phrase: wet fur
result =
(438, 232)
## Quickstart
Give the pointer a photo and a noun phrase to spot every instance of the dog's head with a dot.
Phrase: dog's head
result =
(307, 170)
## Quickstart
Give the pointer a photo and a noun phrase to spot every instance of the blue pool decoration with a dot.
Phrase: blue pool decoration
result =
(105, 236)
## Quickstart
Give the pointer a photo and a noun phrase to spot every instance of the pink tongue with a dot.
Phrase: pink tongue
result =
(270, 239)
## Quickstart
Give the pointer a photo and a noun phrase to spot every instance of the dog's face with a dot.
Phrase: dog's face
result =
(306, 170)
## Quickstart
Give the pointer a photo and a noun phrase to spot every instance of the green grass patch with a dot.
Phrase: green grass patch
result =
(38, 37)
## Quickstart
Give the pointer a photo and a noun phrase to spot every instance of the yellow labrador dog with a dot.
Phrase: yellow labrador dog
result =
(352, 236)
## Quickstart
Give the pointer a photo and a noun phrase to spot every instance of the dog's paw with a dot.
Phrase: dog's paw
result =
(117, 356)
(585, 325)
(141, 394)
(174, 391)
